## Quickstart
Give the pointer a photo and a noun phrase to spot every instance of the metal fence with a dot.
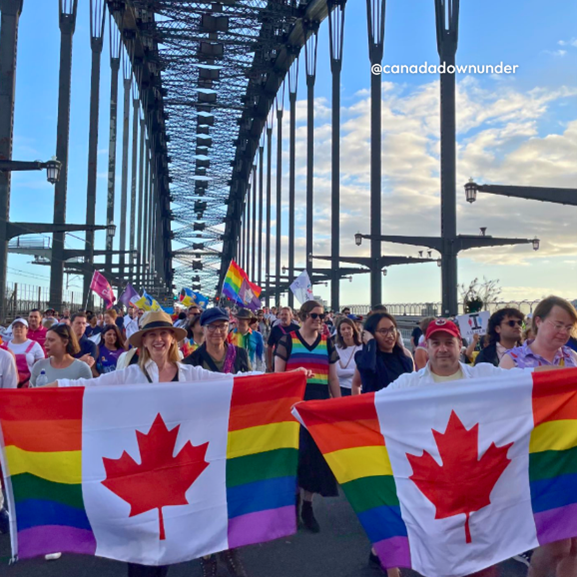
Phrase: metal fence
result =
(22, 298)
(421, 310)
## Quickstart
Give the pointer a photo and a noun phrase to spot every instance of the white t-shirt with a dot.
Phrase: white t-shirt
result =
(8, 372)
(346, 365)
(34, 354)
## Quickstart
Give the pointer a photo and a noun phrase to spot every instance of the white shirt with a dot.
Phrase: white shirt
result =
(346, 365)
(34, 354)
(133, 375)
(425, 377)
(130, 326)
(8, 372)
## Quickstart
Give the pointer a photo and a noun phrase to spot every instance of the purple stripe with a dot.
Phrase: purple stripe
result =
(55, 539)
(261, 526)
(394, 552)
(556, 524)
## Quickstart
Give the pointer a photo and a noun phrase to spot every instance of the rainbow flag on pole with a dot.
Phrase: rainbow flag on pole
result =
(237, 287)
(151, 474)
(451, 478)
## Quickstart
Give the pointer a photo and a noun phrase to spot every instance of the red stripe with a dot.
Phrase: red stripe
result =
(275, 386)
(264, 413)
(357, 408)
(43, 436)
(554, 395)
(50, 404)
(347, 435)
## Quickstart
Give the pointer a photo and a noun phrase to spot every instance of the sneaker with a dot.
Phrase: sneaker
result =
(308, 517)
(524, 558)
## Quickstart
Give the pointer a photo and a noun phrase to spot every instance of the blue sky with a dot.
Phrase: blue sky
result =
(516, 129)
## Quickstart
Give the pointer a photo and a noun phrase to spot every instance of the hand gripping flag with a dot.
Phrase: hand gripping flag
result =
(237, 287)
(102, 288)
(451, 478)
(151, 474)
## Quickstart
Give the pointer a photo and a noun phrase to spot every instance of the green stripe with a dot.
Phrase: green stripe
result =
(27, 486)
(370, 492)
(261, 466)
(548, 464)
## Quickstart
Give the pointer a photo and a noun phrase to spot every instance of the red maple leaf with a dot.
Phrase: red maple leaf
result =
(463, 484)
(160, 480)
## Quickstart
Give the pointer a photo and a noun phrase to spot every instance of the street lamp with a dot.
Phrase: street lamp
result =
(471, 191)
(111, 230)
(483, 230)
(358, 239)
(384, 272)
(53, 167)
(535, 243)
(439, 262)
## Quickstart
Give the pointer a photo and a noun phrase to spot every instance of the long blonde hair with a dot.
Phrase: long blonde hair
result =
(173, 354)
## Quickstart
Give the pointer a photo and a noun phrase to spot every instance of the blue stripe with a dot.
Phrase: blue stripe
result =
(553, 493)
(383, 523)
(261, 495)
(35, 512)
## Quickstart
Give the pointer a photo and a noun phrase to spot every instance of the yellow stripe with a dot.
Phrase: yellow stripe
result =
(351, 464)
(59, 467)
(263, 438)
(554, 436)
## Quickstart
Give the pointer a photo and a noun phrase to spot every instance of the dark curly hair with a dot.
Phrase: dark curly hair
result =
(497, 318)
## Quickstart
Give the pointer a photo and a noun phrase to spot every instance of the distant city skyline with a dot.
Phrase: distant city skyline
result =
(512, 129)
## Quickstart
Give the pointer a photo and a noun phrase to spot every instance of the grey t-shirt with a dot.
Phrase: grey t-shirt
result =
(76, 370)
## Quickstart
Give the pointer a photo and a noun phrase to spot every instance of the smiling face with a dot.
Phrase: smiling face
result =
(346, 331)
(314, 319)
(386, 335)
(243, 325)
(444, 350)
(157, 343)
(216, 332)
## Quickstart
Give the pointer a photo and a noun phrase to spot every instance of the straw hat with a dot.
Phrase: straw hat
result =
(154, 321)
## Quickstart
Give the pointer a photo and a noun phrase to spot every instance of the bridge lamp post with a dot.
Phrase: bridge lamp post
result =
(52, 167)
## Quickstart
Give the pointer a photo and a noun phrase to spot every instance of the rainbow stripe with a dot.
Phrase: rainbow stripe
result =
(262, 458)
(43, 452)
(233, 281)
(553, 455)
(348, 434)
(316, 360)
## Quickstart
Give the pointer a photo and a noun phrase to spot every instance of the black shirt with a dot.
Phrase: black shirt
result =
(278, 332)
(87, 347)
(416, 335)
(394, 365)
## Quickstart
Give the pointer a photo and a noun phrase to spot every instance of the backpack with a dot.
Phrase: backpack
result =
(22, 366)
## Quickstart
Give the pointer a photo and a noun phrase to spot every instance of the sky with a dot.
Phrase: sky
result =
(516, 129)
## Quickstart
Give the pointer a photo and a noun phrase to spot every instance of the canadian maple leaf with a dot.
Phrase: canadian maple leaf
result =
(463, 483)
(160, 480)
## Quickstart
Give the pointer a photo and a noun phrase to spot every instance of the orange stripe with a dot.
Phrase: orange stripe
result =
(347, 435)
(555, 396)
(44, 436)
(256, 414)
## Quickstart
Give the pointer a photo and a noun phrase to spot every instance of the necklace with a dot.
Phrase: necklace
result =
(350, 357)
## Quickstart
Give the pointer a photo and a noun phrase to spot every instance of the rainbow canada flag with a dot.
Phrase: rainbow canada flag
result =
(151, 474)
(237, 287)
(451, 478)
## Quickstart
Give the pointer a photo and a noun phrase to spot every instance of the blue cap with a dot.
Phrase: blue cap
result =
(353, 317)
(212, 315)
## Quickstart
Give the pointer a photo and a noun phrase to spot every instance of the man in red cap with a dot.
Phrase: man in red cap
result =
(443, 344)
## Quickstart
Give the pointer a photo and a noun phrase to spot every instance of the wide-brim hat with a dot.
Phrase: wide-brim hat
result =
(245, 315)
(154, 321)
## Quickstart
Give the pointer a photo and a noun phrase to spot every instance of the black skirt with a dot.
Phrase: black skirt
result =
(314, 475)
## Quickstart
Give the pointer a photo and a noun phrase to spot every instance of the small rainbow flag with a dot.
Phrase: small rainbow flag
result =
(484, 468)
(151, 474)
(233, 283)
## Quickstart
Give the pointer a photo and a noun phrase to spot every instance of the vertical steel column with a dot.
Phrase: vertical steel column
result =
(114, 38)
(141, 164)
(268, 203)
(260, 207)
(447, 21)
(11, 10)
(146, 223)
(336, 38)
(127, 75)
(97, 20)
(135, 124)
(253, 240)
(376, 35)
(311, 71)
(248, 222)
(67, 22)
(293, 77)
(279, 101)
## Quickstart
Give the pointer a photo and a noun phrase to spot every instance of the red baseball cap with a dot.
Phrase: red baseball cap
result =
(443, 326)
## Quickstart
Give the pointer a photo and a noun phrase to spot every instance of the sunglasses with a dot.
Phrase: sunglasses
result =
(514, 323)
(316, 316)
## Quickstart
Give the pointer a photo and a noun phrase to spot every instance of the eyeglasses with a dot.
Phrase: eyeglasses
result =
(214, 328)
(385, 332)
(560, 327)
(316, 316)
(512, 324)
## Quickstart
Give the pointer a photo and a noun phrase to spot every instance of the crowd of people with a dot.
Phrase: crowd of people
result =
(340, 353)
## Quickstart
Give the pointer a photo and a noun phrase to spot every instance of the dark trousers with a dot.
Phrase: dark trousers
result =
(135, 570)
